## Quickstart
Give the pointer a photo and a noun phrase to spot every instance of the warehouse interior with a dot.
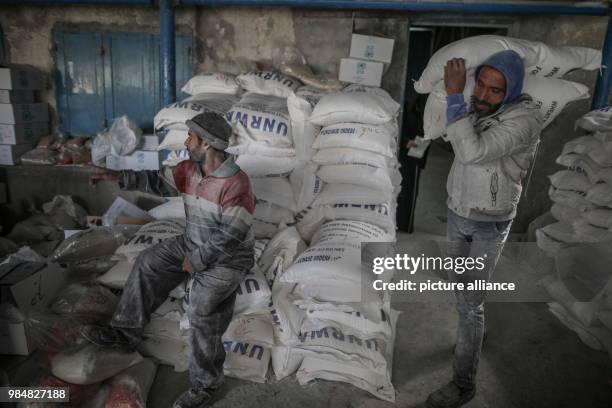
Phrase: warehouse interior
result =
(103, 59)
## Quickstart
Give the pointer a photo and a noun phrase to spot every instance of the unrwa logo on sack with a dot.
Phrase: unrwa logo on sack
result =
(338, 335)
(251, 285)
(260, 123)
(243, 349)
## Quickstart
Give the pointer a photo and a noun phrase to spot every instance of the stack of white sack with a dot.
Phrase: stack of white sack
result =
(212, 91)
(581, 291)
(263, 141)
(582, 194)
(328, 323)
(147, 236)
(354, 157)
(543, 65)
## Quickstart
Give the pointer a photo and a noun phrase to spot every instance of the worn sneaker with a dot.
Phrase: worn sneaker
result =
(450, 396)
(108, 337)
(193, 398)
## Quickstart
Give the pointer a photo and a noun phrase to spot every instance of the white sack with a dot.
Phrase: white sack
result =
(379, 139)
(570, 180)
(212, 82)
(355, 104)
(598, 120)
(130, 388)
(349, 193)
(257, 166)
(549, 95)
(89, 364)
(570, 199)
(276, 190)
(268, 83)
(305, 183)
(564, 213)
(149, 235)
(272, 213)
(540, 59)
(303, 131)
(357, 174)
(347, 155)
(179, 112)
(350, 232)
(175, 138)
(600, 194)
(262, 118)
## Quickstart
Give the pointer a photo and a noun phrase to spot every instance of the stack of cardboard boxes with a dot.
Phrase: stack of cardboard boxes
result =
(368, 57)
(23, 118)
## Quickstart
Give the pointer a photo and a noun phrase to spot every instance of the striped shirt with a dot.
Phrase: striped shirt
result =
(219, 209)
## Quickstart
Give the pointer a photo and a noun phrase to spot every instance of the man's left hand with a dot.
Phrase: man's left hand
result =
(454, 76)
(187, 266)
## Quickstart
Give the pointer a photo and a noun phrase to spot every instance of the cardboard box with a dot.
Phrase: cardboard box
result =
(10, 154)
(361, 71)
(139, 160)
(150, 143)
(21, 77)
(8, 96)
(371, 48)
(11, 113)
(30, 286)
(23, 133)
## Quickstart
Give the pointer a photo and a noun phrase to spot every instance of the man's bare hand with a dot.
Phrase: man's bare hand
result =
(187, 266)
(101, 174)
(454, 76)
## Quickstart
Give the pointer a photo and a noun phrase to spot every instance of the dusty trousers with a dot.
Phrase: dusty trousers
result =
(156, 272)
(474, 239)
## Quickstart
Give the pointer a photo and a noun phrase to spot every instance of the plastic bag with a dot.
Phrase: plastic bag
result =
(41, 156)
(100, 148)
(7, 247)
(65, 212)
(292, 62)
(130, 388)
(124, 136)
(37, 228)
(52, 333)
(90, 243)
(89, 363)
(87, 298)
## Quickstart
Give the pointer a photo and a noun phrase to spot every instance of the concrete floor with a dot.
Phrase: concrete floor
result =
(529, 360)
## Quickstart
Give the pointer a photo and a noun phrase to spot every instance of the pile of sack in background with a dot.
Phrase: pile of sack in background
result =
(580, 241)
(544, 65)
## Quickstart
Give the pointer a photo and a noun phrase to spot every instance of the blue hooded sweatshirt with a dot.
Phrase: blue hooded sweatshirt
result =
(510, 64)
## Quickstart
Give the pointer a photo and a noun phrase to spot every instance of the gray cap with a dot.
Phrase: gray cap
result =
(212, 127)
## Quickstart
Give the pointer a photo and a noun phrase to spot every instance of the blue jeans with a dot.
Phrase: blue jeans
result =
(156, 272)
(469, 238)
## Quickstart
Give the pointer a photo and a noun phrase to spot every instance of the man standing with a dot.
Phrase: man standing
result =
(494, 143)
(216, 250)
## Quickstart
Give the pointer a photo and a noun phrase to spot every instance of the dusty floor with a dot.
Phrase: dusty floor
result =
(529, 360)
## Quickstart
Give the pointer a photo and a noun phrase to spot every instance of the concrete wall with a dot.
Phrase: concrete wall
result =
(566, 30)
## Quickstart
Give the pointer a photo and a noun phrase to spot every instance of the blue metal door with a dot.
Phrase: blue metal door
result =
(125, 68)
(79, 81)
